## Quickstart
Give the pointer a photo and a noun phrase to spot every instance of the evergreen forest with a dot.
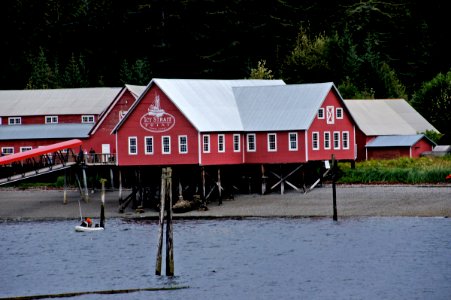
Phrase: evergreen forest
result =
(368, 48)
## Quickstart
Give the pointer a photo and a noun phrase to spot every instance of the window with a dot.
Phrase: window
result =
(293, 141)
(132, 145)
(183, 144)
(272, 142)
(7, 150)
(321, 113)
(345, 139)
(166, 144)
(206, 143)
(14, 121)
(148, 144)
(251, 142)
(336, 140)
(25, 148)
(236, 143)
(51, 119)
(327, 140)
(330, 117)
(87, 119)
(221, 143)
(315, 140)
(339, 113)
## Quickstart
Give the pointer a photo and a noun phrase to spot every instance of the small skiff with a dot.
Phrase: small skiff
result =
(79, 228)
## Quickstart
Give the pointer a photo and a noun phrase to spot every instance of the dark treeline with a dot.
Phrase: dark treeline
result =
(222, 38)
(368, 48)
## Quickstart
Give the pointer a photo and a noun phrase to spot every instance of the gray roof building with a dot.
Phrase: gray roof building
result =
(44, 131)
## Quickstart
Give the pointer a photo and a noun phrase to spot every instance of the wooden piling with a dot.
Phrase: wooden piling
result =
(160, 222)
(169, 230)
(263, 179)
(85, 183)
(102, 205)
(112, 179)
(334, 191)
(120, 185)
(65, 187)
(219, 187)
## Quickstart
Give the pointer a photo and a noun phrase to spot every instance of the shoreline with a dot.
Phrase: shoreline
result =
(378, 200)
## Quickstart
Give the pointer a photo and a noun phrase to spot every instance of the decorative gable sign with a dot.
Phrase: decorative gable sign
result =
(156, 119)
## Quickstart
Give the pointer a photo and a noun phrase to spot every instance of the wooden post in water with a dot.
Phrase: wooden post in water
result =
(112, 179)
(334, 190)
(169, 231)
(85, 183)
(204, 194)
(160, 222)
(102, 205)
(165, 194)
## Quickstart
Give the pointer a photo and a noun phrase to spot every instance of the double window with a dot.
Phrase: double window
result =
(345, 139)
(206, 143)
(132, 145)
(7, 150)
(236, 143)
(51, 119)
(221, 143)
(148, 144)
(327, 140)
(166, 144)
(336, 140)
(315, 140)
(87, 119)
(14, 121)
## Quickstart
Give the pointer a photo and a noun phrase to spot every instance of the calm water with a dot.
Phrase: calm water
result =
(366, 258)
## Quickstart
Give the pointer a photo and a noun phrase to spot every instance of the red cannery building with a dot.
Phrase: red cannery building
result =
(223, 122)
(33, 118)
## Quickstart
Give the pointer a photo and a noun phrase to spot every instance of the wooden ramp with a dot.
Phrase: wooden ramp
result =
(34, 173)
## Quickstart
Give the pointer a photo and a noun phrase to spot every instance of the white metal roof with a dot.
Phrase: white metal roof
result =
(387, 117)
(209, 104)
(55, 101)
(395, 141)
(136, 90)
(44, 131)
(289, 107)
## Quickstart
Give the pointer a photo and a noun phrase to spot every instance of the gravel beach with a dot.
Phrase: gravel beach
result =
(352, 201)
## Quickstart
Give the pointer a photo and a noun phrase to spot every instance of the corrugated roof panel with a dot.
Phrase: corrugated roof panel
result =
(395, 141)
(287, 107)
(44, 131)
(410, 115)
(376, 117)
(56, 101)
(209, 104)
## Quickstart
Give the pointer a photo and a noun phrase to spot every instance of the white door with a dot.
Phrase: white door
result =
(105, 152)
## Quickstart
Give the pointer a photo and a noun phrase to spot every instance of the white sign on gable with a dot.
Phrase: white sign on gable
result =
(330, 116)
(156, 119)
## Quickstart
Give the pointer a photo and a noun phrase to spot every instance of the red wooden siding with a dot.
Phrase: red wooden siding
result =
(132, 128)
(32, 120)
(227, 157)
(103, 134)
(344, 124)
(396, 152)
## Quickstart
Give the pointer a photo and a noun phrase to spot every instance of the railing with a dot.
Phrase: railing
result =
(100, 158)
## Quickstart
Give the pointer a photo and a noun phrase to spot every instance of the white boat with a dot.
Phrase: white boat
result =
(80, 228)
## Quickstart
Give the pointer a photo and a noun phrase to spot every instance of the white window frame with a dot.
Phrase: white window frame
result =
(206, 143)
(321, 113)
(290, 145)
(5, 152)
(130, 146)
(87, 119)
(252, 142)
(339, 113)
(272, 144)
(25, 148)
(147, 145)
(183, 146)
(51, 119)
(327, 140)
(336, 140)
(315, 141)
(15, 121)
(221, 143)
(345, 139)
(236, 143)
(166, 144)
